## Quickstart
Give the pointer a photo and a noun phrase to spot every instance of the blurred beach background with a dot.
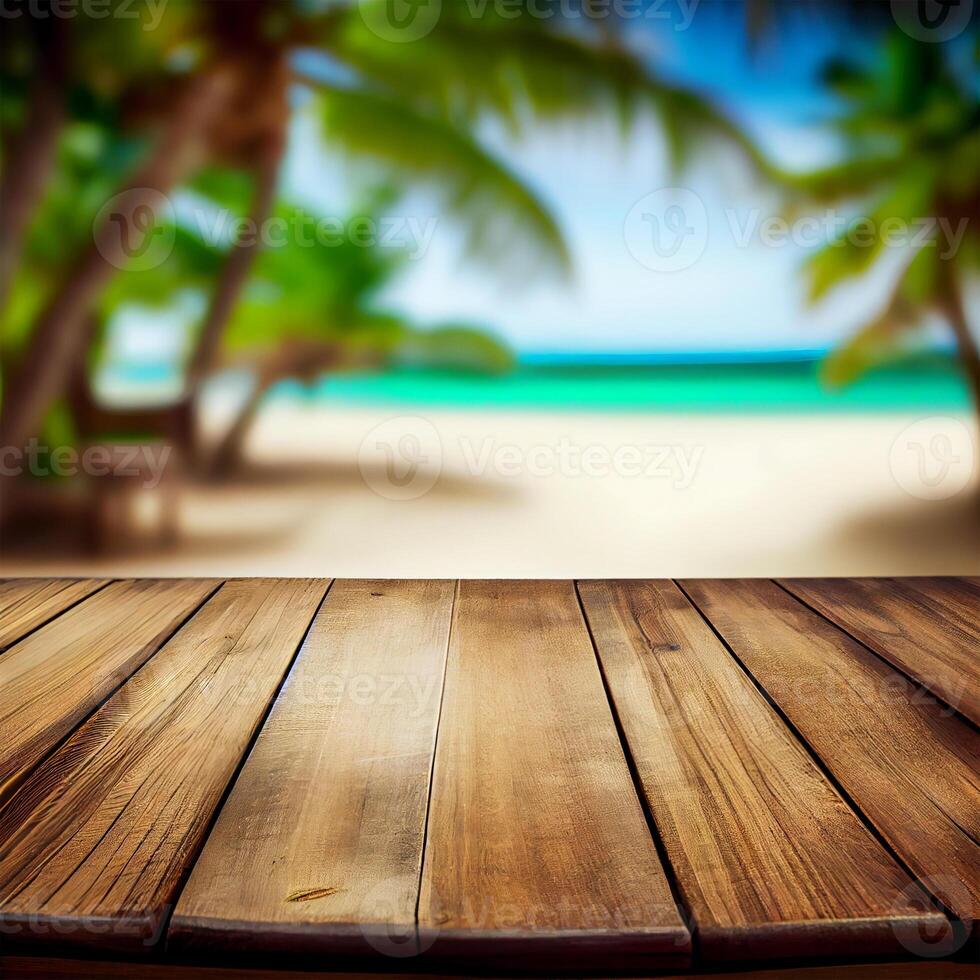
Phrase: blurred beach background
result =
(546, 289)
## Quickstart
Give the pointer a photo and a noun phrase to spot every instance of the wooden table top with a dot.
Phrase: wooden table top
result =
(777, 778)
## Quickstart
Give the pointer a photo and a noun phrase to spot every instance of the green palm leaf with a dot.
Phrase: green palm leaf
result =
(507, 225)
(523, 71)
(851, 254)
(887, 337)
(455, 347)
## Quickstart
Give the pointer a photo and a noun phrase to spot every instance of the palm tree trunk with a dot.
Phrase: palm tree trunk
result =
(58, 337)
(32, 153)
(300, 360)
(966, 343)
(227, 457)
(238, 268)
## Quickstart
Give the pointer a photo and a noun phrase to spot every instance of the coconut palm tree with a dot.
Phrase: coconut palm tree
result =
(56, 69)
(224, 97)
(912, 136)
(309, 309)
(316, 308)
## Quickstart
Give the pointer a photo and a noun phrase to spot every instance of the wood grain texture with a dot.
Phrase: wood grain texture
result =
(768, 856)
(56, 676)
(27, 603)
(99, 837)
(537, 845)
(319, 847)
(908, 763)
(929, 628)
(24, 968)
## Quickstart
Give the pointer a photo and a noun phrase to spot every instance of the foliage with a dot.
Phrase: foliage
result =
(419, 112)
(911, 129)
(322, 292)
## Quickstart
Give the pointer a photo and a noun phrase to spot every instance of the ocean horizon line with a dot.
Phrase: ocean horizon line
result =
(685, 357)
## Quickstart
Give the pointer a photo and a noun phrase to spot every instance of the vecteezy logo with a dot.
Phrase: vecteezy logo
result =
(400, 20)
(934, 458)
(401, 459)
(943, 936)
(932, 20)
(667, 231)
(386, 914)
(135, 230)
(142, 220)
(943, 8)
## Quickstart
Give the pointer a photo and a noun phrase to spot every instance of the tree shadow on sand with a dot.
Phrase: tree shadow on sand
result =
(348, 476)
(938, 537)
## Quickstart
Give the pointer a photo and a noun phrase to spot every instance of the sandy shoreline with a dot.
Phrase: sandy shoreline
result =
(369, 492)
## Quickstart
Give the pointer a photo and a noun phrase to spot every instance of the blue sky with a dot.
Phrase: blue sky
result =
(740, 294)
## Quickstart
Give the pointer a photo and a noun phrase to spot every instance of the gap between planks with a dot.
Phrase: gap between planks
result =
(770, 859)
(904, 762)
(60, 674)
(28, 604)
(326, 820)
(135, 816)
(435, 750)
(944, 660)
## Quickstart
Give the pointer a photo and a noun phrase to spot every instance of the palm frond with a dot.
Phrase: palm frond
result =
(506, 224)
(525, 70)
(456, 347)
(691, 121)
(843, 181)
(888, 336)
(853, 252)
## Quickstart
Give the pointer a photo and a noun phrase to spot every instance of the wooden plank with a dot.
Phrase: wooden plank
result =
(930, 628)
(56, 676)
(319, 847)
(907, 762)
(537, 847)
(98, 839)
(24, 968)
(27, 603)
(768, 856)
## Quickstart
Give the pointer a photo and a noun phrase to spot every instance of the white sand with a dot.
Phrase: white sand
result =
(754, 495)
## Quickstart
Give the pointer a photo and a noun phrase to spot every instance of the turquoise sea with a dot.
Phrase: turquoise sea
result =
(664, 383)
(704, 386)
